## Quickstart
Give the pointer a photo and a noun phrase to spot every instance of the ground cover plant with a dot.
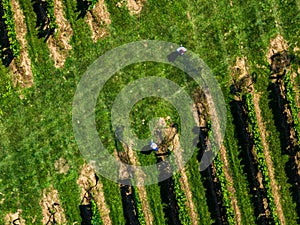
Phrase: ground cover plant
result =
(36, 122)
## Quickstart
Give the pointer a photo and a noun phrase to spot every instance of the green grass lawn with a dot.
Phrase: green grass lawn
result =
(36, 131)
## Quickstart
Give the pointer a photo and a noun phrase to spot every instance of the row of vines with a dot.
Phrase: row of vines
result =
(10, 27)
(50, 15)
(218, 164)
(259, 150)
(291, 96)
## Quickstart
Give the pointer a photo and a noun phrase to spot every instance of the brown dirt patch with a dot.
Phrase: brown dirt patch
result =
(264, 134)
(278, 44)
(98, 19)
(59, 44)
(50, 196)
(241, 75)
(21, 68)
(86, 180)
(11, 217)
(135, 6)
(61, 166)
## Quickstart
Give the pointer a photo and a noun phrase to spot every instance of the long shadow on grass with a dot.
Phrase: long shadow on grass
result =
(167, 194)
(213, 201)
(250, 166)
(277, 103)
(42, 21)
(129, 206)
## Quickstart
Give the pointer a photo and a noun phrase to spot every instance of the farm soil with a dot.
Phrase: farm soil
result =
(278, 44)
(87, 180)
(98, 19)
(59, 44)
(135, 6)
(22, 73)
(61, 166)
(263, 132)
(50, 196)
(11, 217)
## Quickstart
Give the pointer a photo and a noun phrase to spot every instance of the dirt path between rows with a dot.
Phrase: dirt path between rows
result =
(98, 19)
(263, 132)
(14, 217)
(86, 180)
(49, 199)
(22, 73)
(230, 187)
(141, 189)
(59, 43)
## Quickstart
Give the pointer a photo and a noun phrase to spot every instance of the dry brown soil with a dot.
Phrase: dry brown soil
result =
(50, 196)
(86, 180)
(135, 6)
(59, 43)
(61, 166)
(264, 134)
(21, 68)
(98, 19)
(10, 217)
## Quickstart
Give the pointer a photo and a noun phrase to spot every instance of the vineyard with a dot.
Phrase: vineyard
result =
(253, 50)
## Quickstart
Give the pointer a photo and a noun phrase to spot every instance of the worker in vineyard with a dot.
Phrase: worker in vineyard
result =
(153, 146)
(179, 52)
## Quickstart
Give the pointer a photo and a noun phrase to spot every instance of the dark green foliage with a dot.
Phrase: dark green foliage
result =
(10, 26)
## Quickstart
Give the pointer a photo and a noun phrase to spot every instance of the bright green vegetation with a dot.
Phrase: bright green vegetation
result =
(96, 219)
(92, 4)
(259, 150)
(184, 214)
(140, 213)
(291, 98)
(50, 14)
(10, 27)
(219, 165)
(37, 130)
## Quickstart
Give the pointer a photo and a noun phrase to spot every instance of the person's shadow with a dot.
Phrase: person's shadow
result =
(173, 56)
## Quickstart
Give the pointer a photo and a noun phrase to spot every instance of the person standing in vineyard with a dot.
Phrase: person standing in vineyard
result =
(179, 52)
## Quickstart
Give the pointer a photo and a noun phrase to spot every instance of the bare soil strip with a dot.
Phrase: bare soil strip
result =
(98, 19)
(49, 199)
(263, 132)
(135, 6)
(141, 189)
(86, 180)
(230, 187)
(59, 44)
(22, 73)
(10, 218)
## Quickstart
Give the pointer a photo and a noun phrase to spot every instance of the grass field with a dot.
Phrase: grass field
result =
(36, 121)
